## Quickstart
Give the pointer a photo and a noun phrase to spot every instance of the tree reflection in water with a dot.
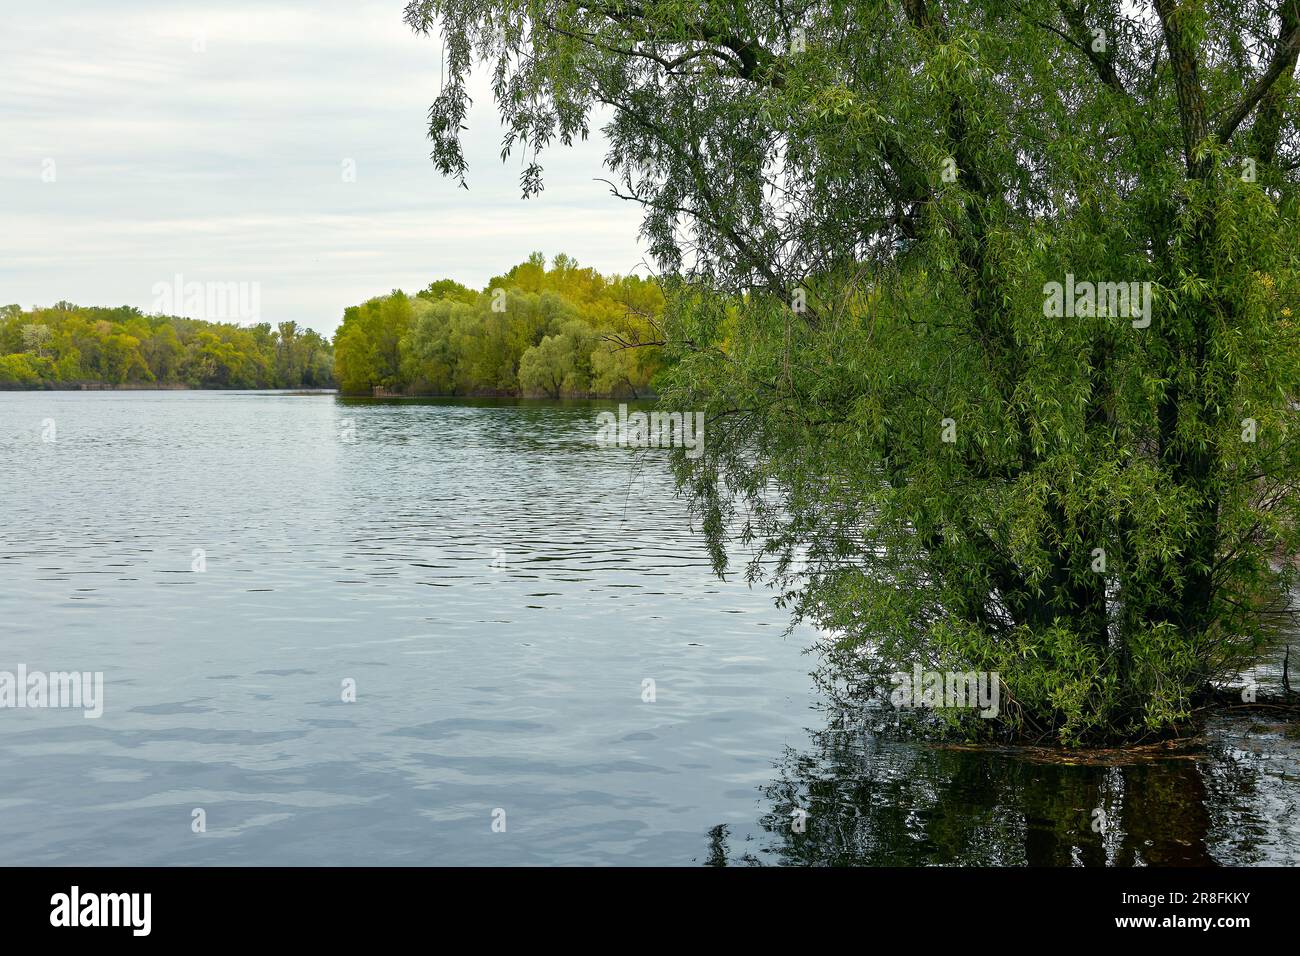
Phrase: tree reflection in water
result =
(875, 800)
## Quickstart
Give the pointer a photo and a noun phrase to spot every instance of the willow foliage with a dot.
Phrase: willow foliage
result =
(864, 207)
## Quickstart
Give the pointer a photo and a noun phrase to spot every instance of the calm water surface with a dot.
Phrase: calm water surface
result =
(500, 589)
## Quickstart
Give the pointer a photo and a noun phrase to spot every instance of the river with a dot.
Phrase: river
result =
(342, 632)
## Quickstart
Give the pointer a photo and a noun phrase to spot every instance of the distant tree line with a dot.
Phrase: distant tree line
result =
(68, 345)
(559, 332)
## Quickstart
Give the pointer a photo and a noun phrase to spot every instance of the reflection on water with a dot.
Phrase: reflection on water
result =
(1230, 798)
(500, 589)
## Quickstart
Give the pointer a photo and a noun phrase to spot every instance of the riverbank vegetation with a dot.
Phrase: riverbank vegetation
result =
(560, 332)
(70, 346)
(865, 215)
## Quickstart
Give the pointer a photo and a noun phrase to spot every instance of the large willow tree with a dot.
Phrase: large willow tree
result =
(861, 206)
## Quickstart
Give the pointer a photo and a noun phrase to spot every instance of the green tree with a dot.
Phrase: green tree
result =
(164, 353)
(447, 289)
(368, 343)
(19, 369)
(69, 344)
(867, 212)
(429, 358)
(547, 366)
(561, 364)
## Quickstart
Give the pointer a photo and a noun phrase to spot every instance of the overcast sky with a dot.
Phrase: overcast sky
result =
(209, 140)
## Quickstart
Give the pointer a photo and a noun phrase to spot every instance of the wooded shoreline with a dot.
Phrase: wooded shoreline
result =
(153, 387)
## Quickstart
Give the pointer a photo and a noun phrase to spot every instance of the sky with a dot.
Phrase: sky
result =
(141, 141)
